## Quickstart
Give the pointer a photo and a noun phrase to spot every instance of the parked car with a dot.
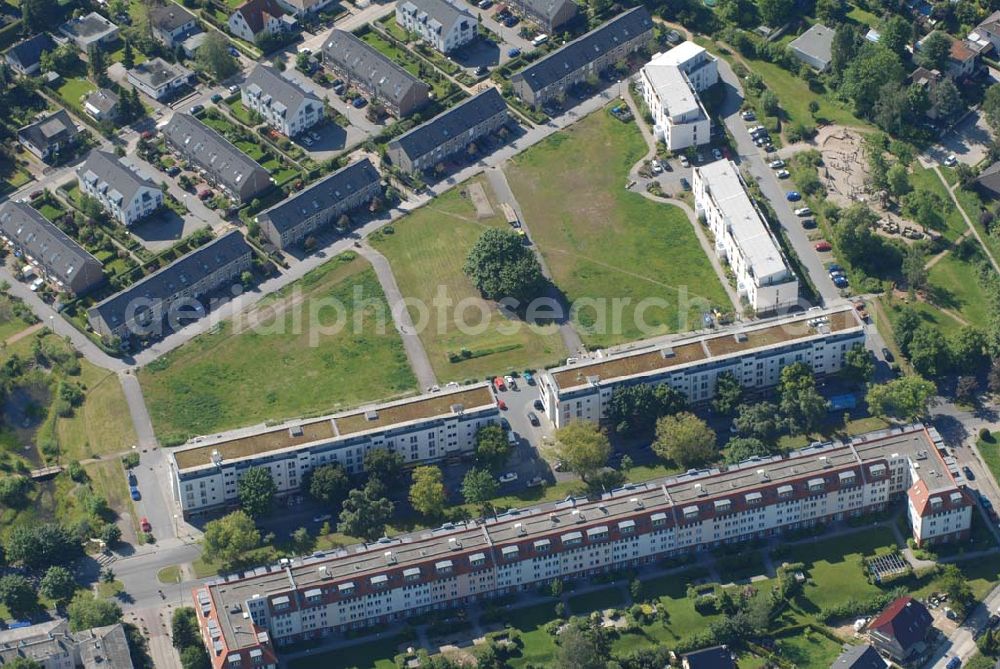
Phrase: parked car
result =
(233, 89)
(776, 164)
(509, 477)
(307, 141)
(173, 171)
(533, 418)
(197, 109)
(793, 196)
(685, 162)
(748, 115)
(204, 194)
(955, 662)
(502, 405)
(968, 473)
(823, 246)
(217, 97)
(685, 184)
(322, 518)
(538, 405)
(511, 21)
(485, 4)
(803, 211)
(482, 70)
(132, 481)
(513, 53)
(529, 378)
(808, 223)
(144, 524)
(951, 161)
(841, 282)
(359, 102)
(499, 384)
(717, 154)
(782, 174)
(887, 354)
(655, 166)
(233, 52)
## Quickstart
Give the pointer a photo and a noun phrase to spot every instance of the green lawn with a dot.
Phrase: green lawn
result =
(427, 250)
(926, 179)
(928, 313)
(954, 284)
(368, 655)
(973, 206)
(240, 112)
(410, 62)
(538, 647)
(990, 450)
(74, 88)
(284, 367)
(598, 600)
(10, 324)
(609, 250)
(808, 649)
(102, 424)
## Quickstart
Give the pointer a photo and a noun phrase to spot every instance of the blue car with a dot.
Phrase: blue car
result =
(134, 492)
(514, 53)
(840, 282)
(955, 662)
(359, 102)
(793, 196)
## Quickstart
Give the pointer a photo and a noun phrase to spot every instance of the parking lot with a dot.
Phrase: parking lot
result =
(968, 141)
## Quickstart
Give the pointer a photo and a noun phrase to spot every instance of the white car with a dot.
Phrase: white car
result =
(685, 162)
(234, 89)
(804, 211)
(509, 477)
(777, 164)
(951, 161)
(782, 174)
(509, 380)
(655, 166)
(307, 141)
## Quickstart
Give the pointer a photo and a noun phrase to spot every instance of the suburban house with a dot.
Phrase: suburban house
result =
(859, 657)
(230, 169)
(49, 136)
(448, 133)
(25, 57)
(671, 83)
(589, 55)
(291, 221)
(126, 195)
(284, 105)
(102, 105)
(988, 181)
(549, 15)
(742, 238)
(90, 31)
(139, 310)
(962, 60)
(987, 32)
(303, 7)
(814, 47)
(716, 657)
(159, 79)
(426, 428)
(172, 24)
(374, 74)
(900, 631)
(63, 261)
(253, 612)
(53, 646)
(258, 17)
(440, 23)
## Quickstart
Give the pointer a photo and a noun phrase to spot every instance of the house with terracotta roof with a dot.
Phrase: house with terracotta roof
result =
(962, 60)
(259, 17)
(900, 632)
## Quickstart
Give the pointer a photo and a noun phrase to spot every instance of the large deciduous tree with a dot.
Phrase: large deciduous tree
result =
(858, 365)
(685, 440)
(256, 490)
(906, 398)
(583, 446)
(492, 448)
(18, 595)
(633, 410)
(328, 485)
(501, 266)
(427, 491)
(365, 513)
(214, 57)
(742, 448)
(229, 538)
(479, 487)
(801, 405)
(759, 420)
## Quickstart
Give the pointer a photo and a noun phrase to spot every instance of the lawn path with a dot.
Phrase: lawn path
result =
(951, 194)
(26, 332)
(415, 352)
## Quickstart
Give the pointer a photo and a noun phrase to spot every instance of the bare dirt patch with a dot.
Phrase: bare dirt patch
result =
(482, 203)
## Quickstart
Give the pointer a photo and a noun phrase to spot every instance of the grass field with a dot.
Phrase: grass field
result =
(102, 424)
(954, 284)
(990, 450)
(427, 251)
(409, 62)
(74, 88)
(603, 243)
(808, 649)
(539, 648)
(284, 367)
(598, 600)
(926, 179)
(928, 313)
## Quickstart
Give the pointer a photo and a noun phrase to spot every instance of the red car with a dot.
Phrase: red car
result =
(499, 384)
(147, 134)
(144, 524)
(502, 405)
(204, 195)
(823, 246)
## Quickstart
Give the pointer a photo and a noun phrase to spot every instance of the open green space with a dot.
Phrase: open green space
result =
(440, 86)
(538, 647)
(633, 267)
(73, 89)
(928, 313)
(10, 321)
(990, 450)
(597, 600)
(102, 425)
(369, 655)
(240, 112)
(954, 285)
(922, 178)
(288, 357)
(833, 427)
(427, 250)
(808, 649)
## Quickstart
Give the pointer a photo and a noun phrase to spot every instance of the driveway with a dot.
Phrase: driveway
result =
(751, 157)
(968, 141)
(961, 642)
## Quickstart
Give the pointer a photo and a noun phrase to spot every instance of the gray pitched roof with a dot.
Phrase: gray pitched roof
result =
(451, 123)
(584, 49)
(104, 647)
(169, 17)
(859, 657)
(103, 100)
(547, 8)
(268, 81)
(989, 178)
(716, 657)
(156, 72)
(59, 255)
(166, 282)
(89, 28)
(212, 151)
(322, 195)
(108, 173)
(29, 52)
(57, 127)
(366, 63)
(440, 11)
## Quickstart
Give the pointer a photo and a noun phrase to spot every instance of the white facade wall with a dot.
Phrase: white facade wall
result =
(146, 201)
(445, 39)
(671, 82)
(288, 122)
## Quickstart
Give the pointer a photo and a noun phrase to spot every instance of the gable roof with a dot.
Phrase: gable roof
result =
(989, 179)
(368, 64)
(717, 657)
(103, 100)
(859, 657)
(449, 124)
(322, 195)
(168, 281)
(57, 127)
(59, 255)
(29, 52)
(269, 82)
(254, 11)
(583, 50)
(440, 12)
(549, 9)
(156, 72)
(905, 621)
(212, 151)
(169, 17)
(109, 174)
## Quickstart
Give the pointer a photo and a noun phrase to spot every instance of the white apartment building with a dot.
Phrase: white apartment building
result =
(743, 239)
(671, 82)
(425, 428)
(126, 195)
(284, 106)
(755, 355)
(393, 579)
(443, 25)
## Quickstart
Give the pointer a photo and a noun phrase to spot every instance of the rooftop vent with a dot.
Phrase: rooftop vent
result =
(636, 504)
(371, 414)
(740, 337)
(667, 352)
(700, 490)
(521, 529)
(216, 457)
(578, 516)
(457, 408)
(454, 544)
(295, 431)
(553, 518)
(824, 461)
(764, 476)
(390, 557)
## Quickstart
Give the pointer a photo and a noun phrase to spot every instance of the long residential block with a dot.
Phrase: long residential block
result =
(743, 239)
(140, 309)
(374, 74)
(125, 194)
(692, 364)
(229, 168)
(63, 261)
(284, 105)
(591, 54)
(251, 614)
(449, 133)
(425, 428)
(671, 82)
(291, 221)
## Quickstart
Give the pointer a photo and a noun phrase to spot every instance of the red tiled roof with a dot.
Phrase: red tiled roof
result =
(254, 11)
(921, 498)
(960, 51)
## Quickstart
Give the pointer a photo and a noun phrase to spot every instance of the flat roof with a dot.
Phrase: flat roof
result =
(685, 349)
(249, 442)
(672, 88)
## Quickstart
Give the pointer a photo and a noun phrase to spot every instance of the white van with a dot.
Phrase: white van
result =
(540, 40)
